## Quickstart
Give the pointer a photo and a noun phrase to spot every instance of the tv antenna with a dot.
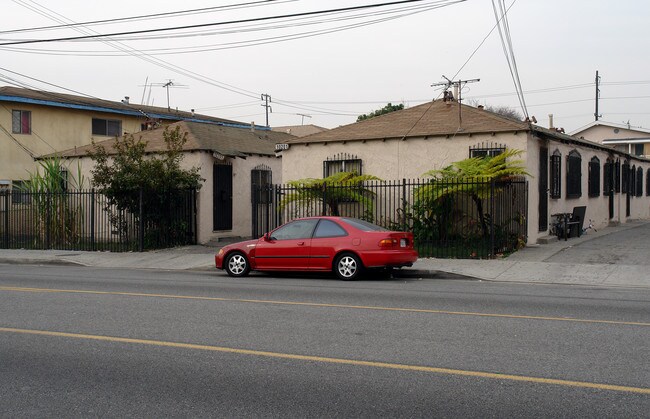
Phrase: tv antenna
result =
(458, 87)
(167, 85)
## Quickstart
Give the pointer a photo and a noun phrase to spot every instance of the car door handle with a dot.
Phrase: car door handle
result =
(301, 243)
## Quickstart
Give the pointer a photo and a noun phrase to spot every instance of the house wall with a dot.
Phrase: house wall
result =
(242, 209)
(409, 159)
(391, 159)
(53, 129)
(598, 133)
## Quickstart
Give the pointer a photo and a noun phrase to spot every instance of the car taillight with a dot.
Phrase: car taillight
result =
(387, 243)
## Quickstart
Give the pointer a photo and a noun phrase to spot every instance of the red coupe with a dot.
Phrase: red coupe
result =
(344, 245)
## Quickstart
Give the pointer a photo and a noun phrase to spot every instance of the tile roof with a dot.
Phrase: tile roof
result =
(225, 140)
(9, 93)
(429, 119)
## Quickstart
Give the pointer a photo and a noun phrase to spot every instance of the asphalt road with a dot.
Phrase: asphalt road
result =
(104, 342)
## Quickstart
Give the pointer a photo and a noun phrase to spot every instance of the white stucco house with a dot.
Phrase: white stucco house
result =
(623, 137)
(566, 171)
(230, 157)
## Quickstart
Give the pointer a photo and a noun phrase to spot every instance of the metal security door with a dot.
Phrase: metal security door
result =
(543, 189)
(222, 197)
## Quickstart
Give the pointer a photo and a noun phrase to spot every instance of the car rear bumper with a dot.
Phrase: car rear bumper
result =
(397, 258)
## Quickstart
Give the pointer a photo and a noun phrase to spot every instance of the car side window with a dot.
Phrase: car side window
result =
(328, 228)
(301, 229)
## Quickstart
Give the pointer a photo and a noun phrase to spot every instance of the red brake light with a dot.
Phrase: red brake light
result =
(386, 243)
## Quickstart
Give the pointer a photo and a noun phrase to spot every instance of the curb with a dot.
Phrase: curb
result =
(59, 262)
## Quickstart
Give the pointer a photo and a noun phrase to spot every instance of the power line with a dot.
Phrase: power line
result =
(202, 25)
(146, 17)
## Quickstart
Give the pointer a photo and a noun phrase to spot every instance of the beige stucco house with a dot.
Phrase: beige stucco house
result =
(566, 171)
(35, 123)
(623, 137)
(230, 160)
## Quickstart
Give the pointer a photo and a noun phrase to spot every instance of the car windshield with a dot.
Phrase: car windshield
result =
(362, 225)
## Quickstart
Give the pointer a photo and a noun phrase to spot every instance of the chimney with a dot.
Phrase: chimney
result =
(550, 121)
(253, 126)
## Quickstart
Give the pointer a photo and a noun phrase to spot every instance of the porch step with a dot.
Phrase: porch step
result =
(547, 239)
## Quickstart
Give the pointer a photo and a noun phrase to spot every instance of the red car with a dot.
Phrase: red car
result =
(344, 245)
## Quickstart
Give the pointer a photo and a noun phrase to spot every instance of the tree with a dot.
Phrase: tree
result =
(332, 190)
(386, 109)
(502, 110)
(55, 215)
(483, 170)
(130, 177)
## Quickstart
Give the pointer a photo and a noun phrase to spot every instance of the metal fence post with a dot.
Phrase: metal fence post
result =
(92, 220)
(48, 221)
(6, 207)
(492, 214)
(141, 223)
(404, 203)
(324, 199)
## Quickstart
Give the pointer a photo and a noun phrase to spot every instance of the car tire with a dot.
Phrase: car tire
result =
(348, 267)
(237, 265)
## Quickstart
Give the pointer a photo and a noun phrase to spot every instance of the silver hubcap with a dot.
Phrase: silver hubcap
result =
(237, 264)
(347, 266)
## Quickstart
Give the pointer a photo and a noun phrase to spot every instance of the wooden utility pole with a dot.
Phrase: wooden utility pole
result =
(267, 99)
(596, 115)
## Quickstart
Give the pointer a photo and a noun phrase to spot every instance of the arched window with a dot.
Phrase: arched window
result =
(555, 174)
(594, 177)
(625, 177)
(608, 177)
(617, 176)
(574, 175)
(261, 179)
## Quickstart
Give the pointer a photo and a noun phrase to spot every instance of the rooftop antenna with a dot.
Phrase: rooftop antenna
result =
(303, 115)
(167, 85)
(144, 91)
(458, 88)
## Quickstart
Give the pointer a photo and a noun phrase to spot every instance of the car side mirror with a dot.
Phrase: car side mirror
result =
(267, 237)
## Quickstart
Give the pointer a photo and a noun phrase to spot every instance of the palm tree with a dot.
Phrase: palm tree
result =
(475, 177)
(332, 190)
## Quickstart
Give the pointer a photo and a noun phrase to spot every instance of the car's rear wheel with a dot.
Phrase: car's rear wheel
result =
(237, 265)
(348, 267)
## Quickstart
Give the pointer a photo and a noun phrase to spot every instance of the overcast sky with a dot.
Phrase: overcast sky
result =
(386, 54)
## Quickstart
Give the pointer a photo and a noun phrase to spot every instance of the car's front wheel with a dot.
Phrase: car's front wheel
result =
(348, 267)
(237, 265)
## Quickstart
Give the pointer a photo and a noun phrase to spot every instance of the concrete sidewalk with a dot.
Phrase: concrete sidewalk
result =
(614, 256)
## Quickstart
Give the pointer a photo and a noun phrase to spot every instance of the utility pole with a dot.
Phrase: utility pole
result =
(458, 88)
(303, 115)
(596, 115)
(267, 99)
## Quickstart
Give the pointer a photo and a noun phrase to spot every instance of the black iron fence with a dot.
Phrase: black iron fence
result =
(86, 220)
(469, 218)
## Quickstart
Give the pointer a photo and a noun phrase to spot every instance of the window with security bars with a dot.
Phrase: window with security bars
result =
(486, 151)
(556, 175)
(107, 127)
(21, 122)
(573, 175)
(617, 176)
(342, 163)
(594, 177)
(261, 180)
(20, 192)
(639, 181)
(608, 176)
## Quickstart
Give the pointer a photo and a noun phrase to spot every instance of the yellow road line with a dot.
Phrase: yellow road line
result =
(386, 365)
(298, 303)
